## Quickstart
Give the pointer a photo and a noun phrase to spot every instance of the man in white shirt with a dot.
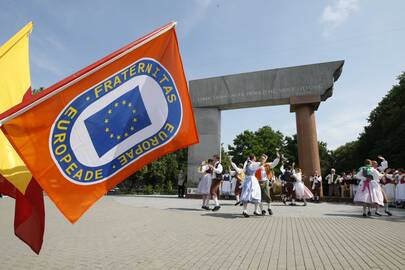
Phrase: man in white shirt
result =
(333, 183)
(316, 181)
(216, 182)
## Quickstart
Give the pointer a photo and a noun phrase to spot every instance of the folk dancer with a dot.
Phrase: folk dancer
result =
(289, 180)
(388, 186)
(316, 181)
(264, 175)
(369, 193)
(216, 182)
(206, 169)
(381, 169)
(251, 189)
(239, 175)
(301, 191)
(283, 193)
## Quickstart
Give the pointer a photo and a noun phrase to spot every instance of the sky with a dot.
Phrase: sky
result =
(221, 37)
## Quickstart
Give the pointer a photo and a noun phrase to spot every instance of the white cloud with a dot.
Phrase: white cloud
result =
(194, 18)
(337, 13)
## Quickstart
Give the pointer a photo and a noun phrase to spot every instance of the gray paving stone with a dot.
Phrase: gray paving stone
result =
(158, 232)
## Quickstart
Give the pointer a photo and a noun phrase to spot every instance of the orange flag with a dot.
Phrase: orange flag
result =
(86, 134)
(15, 179)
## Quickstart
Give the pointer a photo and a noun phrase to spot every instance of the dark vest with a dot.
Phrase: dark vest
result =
(287, 176)
(218, 175)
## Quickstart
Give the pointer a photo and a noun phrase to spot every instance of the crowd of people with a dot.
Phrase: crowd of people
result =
(373, 186)
(391, 182)
(253, 181)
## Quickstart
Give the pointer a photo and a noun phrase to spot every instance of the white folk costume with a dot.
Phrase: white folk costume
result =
(264, 175)
(301, 191)
(369, 193)
(400, 189)
(205, 182)
(239, 175)
(251, 192)
(205, 185)
(388, 185)
(316, 181)
(381, 169)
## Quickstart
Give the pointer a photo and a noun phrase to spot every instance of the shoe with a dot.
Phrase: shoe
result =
(388, 213)
(237, 203)
(205, 207)
(263, 212)
(368, 213)
(305, 204)
(377, 214)
(216, 208)
(256, 214)
(241, 204)
(292, 204)
(245, 214)
(364, 215)
(270, 212)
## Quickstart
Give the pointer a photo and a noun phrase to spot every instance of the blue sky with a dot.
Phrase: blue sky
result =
(232, 36)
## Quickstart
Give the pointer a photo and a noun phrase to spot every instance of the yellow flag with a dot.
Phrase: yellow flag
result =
(15, 80)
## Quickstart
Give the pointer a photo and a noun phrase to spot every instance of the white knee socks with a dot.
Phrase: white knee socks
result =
(216, 201)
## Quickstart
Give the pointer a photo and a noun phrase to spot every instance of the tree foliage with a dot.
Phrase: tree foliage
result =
(160, 175)
(384, 134)
(264, 141)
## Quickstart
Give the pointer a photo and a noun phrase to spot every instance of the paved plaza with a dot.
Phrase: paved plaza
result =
(169, 233)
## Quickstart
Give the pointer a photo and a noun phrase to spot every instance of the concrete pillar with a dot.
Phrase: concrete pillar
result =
(308, 151)
(208, 121)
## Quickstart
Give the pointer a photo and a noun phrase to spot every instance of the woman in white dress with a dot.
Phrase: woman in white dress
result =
(251, 192)
(301, 191)
(388, 185)
(369, 193)
(400, 188)
(204, 186)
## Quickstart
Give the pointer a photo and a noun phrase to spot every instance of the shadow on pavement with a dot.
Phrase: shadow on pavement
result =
(186, 209)
(392, 218)
(223, 215)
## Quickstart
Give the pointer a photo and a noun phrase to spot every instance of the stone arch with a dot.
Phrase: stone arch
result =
(302, 87)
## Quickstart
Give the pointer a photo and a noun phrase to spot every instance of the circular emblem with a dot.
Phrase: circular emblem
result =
(114, 123)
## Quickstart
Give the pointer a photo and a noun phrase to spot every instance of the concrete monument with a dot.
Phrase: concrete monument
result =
(303, 87)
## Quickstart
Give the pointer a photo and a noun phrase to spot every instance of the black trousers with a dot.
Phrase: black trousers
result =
(181, 191)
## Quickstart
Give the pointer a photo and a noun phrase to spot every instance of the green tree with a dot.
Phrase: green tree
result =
(160, 174)
(346, 158)
(264, 141)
